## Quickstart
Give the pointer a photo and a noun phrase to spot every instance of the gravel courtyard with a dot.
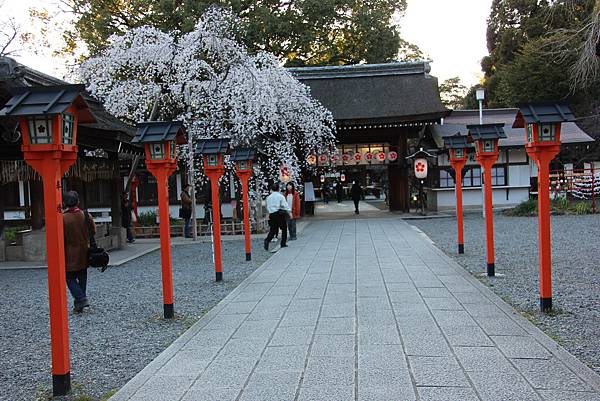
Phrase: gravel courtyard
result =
(122, 331)
(576, 272)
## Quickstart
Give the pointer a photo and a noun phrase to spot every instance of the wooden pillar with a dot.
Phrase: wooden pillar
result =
(116, 188)
(37, 204)
(2, 201)
(398, 178)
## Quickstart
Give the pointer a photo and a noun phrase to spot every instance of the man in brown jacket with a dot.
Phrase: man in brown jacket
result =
(77, 240)
(186, 210)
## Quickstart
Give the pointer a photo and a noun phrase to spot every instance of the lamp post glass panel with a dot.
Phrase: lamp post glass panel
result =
(213, 152)
(160, 139)
(486, 137)
(457, 146)
(542, 124)
(243, 159)
(48, 118)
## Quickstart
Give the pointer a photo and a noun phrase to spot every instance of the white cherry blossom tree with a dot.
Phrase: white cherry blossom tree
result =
(208, 79)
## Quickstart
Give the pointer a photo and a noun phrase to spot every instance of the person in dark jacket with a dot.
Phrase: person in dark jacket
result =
(339, 191)
(126, 216)
(356, 193)
(77, 230)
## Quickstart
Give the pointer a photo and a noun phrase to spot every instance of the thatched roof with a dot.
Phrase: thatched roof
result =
(375, 93)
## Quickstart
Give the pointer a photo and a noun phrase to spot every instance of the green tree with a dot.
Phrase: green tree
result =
(298, 32)
(452, 93)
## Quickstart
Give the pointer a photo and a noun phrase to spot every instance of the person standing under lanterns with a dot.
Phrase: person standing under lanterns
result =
(278, 209)
(293, 200)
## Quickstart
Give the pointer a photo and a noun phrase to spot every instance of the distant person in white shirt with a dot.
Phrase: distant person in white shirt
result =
(278, 209)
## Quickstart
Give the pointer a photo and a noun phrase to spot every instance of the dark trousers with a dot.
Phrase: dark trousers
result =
(356, 205)
(277, 221)
(129, 231)
(186, 228)
(292, 227)
(77, 283)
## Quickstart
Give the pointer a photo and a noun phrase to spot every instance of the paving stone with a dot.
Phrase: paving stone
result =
(338, 310)
(447, 393)
(326, 393)
(256, 329)
(379, 317)
(225, 322)
(297, 335)
(494, 326)
(326, 371)
(188, 363)
(499, 386)
(212, 393)
(391, 392)
(333, 345)
(336, 325)
(549, 374)
(405, 297)
(427, 292)
(378, 334)
(453, 318)
(235, 308)
(271, 386)
(467, 336)
(437, 371)
(520, 347)
(425, 345)
(483, 359)
(555, 395)
(164, 388)
(283, 358)
(299, 319)
(443, 303)
(244, 348)
(209, 338)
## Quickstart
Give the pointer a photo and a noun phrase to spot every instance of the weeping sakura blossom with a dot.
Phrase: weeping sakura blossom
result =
(209, 80)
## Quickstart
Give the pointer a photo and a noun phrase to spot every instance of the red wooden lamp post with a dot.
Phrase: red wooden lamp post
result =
(48, 119)
(458, 146)
(213, 151)
(160, 139)
(542, 125)
(486, 138)
(243, 159)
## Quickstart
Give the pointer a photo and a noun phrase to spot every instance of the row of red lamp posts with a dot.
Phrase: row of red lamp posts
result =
(542, 124)
(48, 118)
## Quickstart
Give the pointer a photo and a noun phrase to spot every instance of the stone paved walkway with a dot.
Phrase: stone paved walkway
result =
(362, 310)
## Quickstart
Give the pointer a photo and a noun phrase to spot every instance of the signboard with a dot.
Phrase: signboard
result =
(421, 168)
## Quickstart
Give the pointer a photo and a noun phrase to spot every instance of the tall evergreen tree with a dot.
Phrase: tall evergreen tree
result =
(298, 32)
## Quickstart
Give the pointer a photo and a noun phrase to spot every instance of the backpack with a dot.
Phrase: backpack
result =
(97, 257)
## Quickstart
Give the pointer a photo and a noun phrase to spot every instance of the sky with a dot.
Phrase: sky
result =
(450, 32)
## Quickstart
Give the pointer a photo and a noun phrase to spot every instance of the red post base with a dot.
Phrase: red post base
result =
(52, 165)
(487, 162)
(543, 155)
(458, 166)
(162, 171)
(244, 176)
(214, 175)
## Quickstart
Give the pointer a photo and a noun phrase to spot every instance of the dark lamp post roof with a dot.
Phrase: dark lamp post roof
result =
(212, 146)
(420, 153)
(457, 141)
(486, 131)
(542, 113)
(242, 154)
(160, 131)
(47, 100)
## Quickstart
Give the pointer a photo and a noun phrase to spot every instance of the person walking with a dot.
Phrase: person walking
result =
(78, 226)
(356, 193)
(293, 200)
(126, 213)
(186, 210)
(278, 210)
(339, 191)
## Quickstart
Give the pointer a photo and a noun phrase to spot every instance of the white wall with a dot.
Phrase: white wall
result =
(472, 199)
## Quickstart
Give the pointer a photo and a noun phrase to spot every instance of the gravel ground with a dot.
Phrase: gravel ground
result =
(575, 323)
(122, 331)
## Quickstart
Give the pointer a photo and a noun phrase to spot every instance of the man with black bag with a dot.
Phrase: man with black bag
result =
(77, 230)
(186, 210)
(278, 209)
